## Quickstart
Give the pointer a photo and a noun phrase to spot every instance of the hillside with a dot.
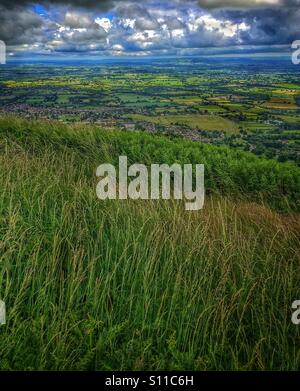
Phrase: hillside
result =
(137, 285)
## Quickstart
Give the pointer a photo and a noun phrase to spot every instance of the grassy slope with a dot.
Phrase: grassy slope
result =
(141, 285)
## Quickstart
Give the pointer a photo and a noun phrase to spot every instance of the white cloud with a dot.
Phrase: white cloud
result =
(126, 22)
(118, 47)
(105, 23)
(149, 27)
(177, 33)
(77, 20)
(225, 27)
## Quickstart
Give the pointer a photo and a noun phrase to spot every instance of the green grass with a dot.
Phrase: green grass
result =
(257, 127)
(290, 119)
(63, 99)
(136, 100)
(93, 285)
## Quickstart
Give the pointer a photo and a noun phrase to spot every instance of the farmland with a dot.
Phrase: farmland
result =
(251, 105)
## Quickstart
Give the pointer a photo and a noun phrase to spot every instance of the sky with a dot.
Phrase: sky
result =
(138, 28)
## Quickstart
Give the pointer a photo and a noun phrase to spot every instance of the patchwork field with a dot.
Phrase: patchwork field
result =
(241, 104)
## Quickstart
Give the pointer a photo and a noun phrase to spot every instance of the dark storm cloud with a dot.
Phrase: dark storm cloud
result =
(211, 4)
(239, 3)
(100, 4)
(144, 20)
(267, 26)
(19, 25)
(107, 4)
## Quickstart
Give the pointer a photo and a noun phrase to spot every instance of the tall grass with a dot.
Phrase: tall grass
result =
(121, 285)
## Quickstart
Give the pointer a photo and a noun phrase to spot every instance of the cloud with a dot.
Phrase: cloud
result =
(239, 3)
(78, 32)
(109, 4)
(77, 20)
(267, 26)
(94, 4)
(147, 28)
(19, 26)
